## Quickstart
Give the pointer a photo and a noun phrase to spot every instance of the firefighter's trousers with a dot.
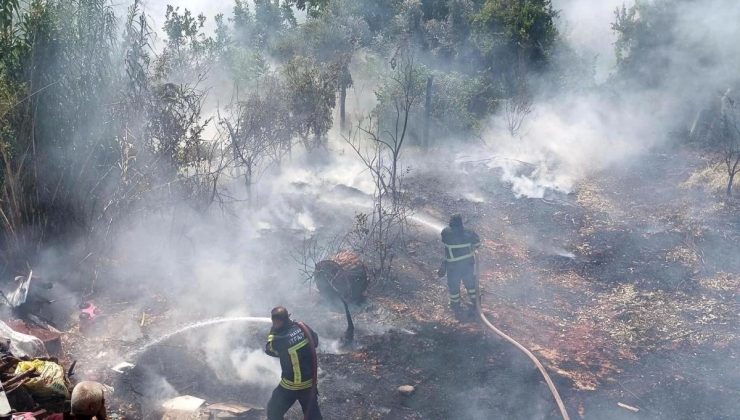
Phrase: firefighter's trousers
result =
(282, 399)
(457, 272)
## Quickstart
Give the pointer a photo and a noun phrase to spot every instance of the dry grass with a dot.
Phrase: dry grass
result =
(684, 255)
(712, 179)
(722, 282)
(592, 197)
(651, 320)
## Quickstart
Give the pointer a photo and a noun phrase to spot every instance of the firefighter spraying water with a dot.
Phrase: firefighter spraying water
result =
(459, 265)
(462, 264)
(294, 343)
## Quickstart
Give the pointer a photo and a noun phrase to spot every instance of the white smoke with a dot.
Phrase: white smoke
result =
(566, 139)
(234, 354)
(253, 366)
(586, 25)
(570, 136)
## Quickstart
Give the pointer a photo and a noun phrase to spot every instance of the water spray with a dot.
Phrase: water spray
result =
(430, 223)
(427, 222)
(205, 323)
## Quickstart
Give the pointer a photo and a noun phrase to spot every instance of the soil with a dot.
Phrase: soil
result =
(627, 289)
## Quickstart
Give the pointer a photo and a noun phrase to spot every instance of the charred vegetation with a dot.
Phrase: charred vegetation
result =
(175, 179)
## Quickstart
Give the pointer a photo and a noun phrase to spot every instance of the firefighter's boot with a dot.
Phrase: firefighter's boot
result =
(458, 311)
(471, 310)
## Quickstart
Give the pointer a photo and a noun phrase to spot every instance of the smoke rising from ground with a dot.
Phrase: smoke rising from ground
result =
(238, 259)
(569, 136)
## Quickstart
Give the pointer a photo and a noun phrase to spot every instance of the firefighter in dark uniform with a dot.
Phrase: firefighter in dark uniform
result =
(295, 344)
(459, 265)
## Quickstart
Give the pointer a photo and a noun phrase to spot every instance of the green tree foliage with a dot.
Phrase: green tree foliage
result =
(645, 33)
(311, 91)
(89, 127)
(258, 29)
(269, 21)
(313, 7)
(59, 72)
(240, 56)
(96, 121)
(11, 44)
(450, 28)
(260, 130)
(458, 104)
(189, 51)
(657, 43)
(379, 14)
(331, 37)
(510, 31)
(167, 99)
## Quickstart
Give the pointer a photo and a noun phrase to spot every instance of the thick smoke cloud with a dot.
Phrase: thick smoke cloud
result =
(586, 25)
(570, 136)
(239, 262)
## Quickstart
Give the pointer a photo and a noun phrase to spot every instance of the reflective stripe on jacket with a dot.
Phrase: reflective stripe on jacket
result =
(459, 244)
(291, 345)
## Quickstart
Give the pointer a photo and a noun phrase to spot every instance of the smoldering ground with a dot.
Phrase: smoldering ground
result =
(608, 125)
(238, 260)
(182, 268)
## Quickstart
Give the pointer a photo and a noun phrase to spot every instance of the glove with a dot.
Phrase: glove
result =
(442, 270)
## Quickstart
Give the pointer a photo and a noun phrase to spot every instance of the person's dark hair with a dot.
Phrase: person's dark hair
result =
(281, 313)
(456, 221)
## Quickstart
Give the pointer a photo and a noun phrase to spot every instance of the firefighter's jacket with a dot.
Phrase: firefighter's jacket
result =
(459, 244)
(291, 345)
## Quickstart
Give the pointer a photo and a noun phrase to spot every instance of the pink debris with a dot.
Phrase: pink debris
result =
(90, 310)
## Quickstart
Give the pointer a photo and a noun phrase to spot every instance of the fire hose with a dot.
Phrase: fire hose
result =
(550, 384)
(314, 380)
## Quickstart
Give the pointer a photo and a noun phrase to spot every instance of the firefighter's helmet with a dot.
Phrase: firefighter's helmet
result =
(456, 221)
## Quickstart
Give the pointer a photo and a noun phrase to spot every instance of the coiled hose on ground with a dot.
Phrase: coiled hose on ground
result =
(487, 323)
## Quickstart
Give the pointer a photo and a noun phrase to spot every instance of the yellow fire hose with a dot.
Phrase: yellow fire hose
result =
(550, 384)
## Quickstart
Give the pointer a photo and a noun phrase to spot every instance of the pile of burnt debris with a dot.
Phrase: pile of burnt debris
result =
(33, 381)
(37, 375)
(173, 381)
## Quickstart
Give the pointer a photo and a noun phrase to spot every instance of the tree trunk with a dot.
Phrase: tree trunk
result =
(394, 167)
(342, 107)
(729, 184)
(732, 172)
(427, 113)
(248, 182)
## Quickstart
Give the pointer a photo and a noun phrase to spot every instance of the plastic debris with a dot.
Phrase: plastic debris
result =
(406, 389)
(184, 403)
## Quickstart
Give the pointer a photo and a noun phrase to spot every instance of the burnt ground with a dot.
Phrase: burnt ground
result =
(626, 289)
(456, 371)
